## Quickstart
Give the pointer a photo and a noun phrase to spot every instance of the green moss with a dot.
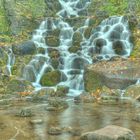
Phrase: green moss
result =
(52, 41)
(51, 78)
(112, 7)
(4, 26)
(92, 81)
(74, 49)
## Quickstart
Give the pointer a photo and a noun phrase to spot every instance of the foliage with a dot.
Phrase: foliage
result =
(31, 9)
(113, 7)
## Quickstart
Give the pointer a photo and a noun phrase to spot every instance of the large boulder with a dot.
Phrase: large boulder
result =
(133, 92)
(110, 132)
(117, 74)
(26, 48)
(51, 78)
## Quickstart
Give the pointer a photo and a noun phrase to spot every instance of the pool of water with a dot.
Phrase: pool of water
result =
(80, 117)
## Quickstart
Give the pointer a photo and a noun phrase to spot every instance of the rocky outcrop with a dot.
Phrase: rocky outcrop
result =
(117, 74)
(110, 132)
(20, 19)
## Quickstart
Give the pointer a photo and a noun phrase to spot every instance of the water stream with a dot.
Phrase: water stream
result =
(110, 38)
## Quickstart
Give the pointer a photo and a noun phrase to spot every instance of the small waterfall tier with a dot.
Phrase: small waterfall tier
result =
(111, 37)
(64, 52)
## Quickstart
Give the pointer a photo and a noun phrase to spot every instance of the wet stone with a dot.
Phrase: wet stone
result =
(114, 35)
(137, 118)
(52, 41)
(25, 113)
(118, 47)
(54, 131)
(37, 121)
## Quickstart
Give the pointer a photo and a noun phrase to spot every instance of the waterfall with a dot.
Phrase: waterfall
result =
(71, 49)
(10, 61)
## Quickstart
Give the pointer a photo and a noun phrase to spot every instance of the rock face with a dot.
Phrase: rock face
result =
(117, 74)
(110, 132)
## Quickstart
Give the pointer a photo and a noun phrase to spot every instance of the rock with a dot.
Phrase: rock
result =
(136, 118)
(118, 47)
(61, 91)
(29, 73)
(3, 57)
(87, 32)
(51, 78)
(133, 91)
(56, 104)
(51, 108)
(110, 132)
(25, 113)
(37, 121)
(55, 63)
(77, 38)
(18, 85)
(53, 7)
(99, 43)
(114, 35)
(52, 41)
(74, 49)
(41, 50)
(112, 74)
(25, 48)
(53, 53)
(75, 131)
(55, 32)
(46, 90)
(79, 63)
(54, 131)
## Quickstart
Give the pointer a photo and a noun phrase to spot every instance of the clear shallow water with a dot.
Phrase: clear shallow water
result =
(84, 117)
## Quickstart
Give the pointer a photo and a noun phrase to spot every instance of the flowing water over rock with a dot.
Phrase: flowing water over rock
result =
(65, 51)
(10, 61)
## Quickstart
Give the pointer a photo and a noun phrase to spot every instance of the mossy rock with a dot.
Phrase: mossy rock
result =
(41, 50)
(55, 63)
(51, 78)
(55, 32)
(52, 41)
(77, 37)
(3, 57)
(92, 81)
(25, 48)
(61, 91)
(53, 53)
(87, 32)
(20, 63)
(18, 85)
(74, 49)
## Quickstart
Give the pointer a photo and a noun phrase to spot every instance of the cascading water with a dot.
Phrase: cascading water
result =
(10, 62)
(71, 50)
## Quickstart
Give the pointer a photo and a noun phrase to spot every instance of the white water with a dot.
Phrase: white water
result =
(10, 61)
(99, 43)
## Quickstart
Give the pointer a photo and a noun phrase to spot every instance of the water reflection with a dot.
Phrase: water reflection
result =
(79, 117)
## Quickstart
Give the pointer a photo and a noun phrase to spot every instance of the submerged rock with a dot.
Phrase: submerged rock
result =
(54, 131)
(110, 132)
(25, 113)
